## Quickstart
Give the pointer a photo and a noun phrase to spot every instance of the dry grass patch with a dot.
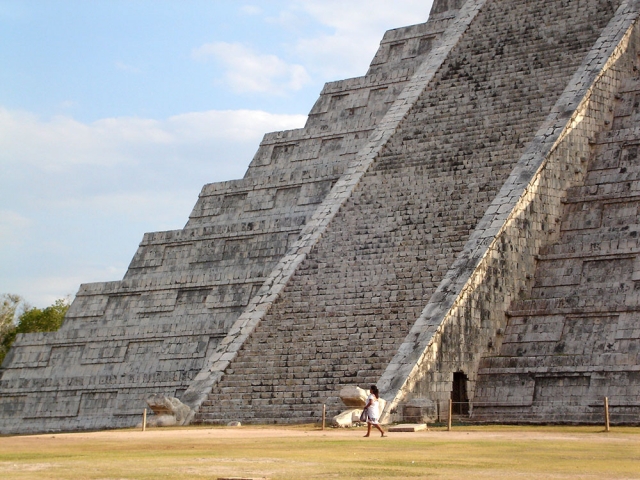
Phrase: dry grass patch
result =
(308, 452)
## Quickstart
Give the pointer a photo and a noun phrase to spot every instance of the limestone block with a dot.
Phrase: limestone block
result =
(415, 427)
(353, 396)
(347, 418)
(419, 410)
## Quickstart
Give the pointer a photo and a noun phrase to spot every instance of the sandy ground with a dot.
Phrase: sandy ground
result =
(515, 433)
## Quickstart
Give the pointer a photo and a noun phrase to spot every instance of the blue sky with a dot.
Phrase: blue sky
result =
(114, 114)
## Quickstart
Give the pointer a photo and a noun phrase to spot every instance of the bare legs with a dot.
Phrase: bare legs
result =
(375, 425)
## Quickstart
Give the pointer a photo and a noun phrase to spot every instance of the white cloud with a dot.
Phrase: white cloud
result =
(287, 19)
(127, 68)
(75, 196)
(354, 37)
(135, 205)
(67, 104)
(251, 10)
(345, 16)
(44, 290)
(13, 226)
(236, 125)
(347, 35)
(248, 71)
(61, 142)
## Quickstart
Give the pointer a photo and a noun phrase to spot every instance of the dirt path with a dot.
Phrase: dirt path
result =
(583, 434)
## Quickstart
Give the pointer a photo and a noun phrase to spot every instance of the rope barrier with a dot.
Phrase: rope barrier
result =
(603, 413)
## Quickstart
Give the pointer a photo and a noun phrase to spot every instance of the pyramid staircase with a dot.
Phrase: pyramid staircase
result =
(352, 301)
(321, 267)
(153, 331)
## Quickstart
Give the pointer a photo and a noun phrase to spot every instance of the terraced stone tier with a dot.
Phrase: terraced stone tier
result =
(576, 339)
(348, 111)
(353, 300)
(151, 332)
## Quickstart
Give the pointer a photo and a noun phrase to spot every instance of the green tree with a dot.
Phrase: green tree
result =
(10, 308)
(30, 320)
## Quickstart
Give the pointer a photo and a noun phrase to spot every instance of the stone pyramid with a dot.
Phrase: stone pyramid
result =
(458, 223)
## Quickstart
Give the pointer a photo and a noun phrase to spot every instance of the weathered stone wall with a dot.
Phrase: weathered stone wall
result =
(348, 111)
(355, 295)
(227, 351)
(153, 331)
(465, 319)
(575, 338)
(433, 180)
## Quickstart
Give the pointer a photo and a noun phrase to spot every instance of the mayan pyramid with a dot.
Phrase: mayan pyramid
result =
(461, 222)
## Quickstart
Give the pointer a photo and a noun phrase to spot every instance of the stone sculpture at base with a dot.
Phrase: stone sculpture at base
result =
(169, 412)
(353, 396)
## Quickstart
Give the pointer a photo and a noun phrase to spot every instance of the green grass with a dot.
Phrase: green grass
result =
(307, 452)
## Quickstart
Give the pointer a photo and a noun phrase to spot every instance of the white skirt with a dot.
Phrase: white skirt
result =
(371, 419)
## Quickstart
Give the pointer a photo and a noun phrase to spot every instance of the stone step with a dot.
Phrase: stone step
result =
(597, 363)
(606, 193)
(564, 306)
(619, 135)
(590, 255)
(403, 197)
(589, 243)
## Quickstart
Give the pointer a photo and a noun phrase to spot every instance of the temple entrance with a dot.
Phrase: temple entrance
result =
(459, 394)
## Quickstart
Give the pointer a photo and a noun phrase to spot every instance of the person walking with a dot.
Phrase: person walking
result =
(373, 411)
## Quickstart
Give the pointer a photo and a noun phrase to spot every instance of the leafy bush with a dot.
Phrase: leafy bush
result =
(29, 320)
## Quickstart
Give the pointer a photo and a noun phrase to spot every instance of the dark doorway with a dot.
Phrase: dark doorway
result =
(459, 394)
